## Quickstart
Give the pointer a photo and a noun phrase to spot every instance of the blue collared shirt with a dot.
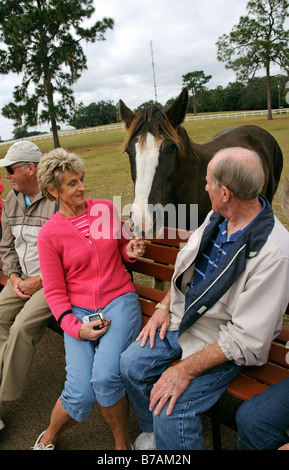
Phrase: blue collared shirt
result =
(218, 247)
(27, 201)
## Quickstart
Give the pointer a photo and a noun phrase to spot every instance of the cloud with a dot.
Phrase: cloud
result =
(183, 35)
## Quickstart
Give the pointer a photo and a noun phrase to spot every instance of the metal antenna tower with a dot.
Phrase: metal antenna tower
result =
(153, 65)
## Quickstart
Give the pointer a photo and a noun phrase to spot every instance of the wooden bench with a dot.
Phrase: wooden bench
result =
(158, 262)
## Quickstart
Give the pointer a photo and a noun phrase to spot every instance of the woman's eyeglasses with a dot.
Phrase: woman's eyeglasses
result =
(11, 169)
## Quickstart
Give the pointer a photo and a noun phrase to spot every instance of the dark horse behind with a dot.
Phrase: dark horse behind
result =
(169, 169)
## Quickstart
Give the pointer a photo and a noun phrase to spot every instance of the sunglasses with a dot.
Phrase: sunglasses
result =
(11, 169)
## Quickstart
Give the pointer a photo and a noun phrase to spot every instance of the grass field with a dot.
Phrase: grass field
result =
(108, 172)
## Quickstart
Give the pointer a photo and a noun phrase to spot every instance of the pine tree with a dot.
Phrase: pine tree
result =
(257, 41)
(43, 44)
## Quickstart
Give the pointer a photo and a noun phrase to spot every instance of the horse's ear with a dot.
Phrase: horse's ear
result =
(125, 114)
(177, 112)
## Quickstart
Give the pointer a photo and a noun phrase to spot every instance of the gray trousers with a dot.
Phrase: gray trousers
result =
(22, 324)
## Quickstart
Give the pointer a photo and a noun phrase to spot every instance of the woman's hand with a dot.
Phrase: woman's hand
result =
(135, 248)
(88, 332)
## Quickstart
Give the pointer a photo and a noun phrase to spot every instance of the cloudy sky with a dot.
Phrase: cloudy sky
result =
(183, 34)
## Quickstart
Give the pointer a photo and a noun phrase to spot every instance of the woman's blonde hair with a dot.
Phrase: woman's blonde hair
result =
(52, 167)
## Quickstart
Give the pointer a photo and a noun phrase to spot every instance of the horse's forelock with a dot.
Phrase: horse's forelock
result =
(155, 121)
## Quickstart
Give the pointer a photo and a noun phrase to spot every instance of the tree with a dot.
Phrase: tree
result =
(146, 104)
(42, 39)
(257, 42)
(95, 114)
(195, 82)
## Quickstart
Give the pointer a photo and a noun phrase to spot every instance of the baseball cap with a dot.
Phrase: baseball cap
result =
(24, 151)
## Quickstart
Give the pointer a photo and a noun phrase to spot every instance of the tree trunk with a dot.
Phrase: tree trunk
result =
(49, 89)
(194, 101)
(55, 133)
(269, 101)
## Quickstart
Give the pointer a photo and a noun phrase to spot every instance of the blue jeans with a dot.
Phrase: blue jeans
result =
(182, 430)
(92, 367)
(264, 419)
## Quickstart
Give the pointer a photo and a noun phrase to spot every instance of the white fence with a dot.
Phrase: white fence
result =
(236, 114)
(68, 132)
(111, 127)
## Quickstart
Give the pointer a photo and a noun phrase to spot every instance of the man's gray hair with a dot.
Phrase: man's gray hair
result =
(246, 181)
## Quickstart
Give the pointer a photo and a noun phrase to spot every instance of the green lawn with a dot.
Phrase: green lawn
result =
(108, 172)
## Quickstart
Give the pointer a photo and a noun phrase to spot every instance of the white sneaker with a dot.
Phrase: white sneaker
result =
(2, 425)
(40, 446)
(145, 441)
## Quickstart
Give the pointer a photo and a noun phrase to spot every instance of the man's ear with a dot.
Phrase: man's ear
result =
(31, 168)
(225, 193)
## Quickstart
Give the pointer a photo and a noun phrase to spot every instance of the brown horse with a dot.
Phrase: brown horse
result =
(169, 169)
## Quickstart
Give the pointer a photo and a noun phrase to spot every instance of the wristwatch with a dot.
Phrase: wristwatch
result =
(163, 306)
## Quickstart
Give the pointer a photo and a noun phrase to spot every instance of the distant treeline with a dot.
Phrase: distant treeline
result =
(239, 97)
(234, 97)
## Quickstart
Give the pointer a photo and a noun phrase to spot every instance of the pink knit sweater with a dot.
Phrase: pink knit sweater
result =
(76, 271)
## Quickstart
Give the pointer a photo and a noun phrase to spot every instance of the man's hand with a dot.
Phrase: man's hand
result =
(175, 380)
(160, 320)
(25, 288)
(170, 386)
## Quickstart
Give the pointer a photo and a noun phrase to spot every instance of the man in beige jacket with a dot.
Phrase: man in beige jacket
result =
(24, 312)
(229, 291)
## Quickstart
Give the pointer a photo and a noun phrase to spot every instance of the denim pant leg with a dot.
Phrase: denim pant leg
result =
(125, 315)
(263, 421)
(182, 430)
(78, 397)
(92, 367)
(141, 368)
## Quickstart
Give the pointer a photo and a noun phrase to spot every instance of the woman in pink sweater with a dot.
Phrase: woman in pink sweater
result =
(82, 252)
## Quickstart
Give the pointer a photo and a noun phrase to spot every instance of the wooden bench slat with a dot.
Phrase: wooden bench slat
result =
(268, 373)
(147, 307)
(148, 292)
(245, 388)
(159, 271)
(278, 355)
(161, 253)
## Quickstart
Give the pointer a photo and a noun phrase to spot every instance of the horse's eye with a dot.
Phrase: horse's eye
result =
(171, 148)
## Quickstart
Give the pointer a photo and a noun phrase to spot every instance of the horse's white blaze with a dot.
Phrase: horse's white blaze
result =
(147, 158)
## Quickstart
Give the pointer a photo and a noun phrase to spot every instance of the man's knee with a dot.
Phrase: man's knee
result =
(245, 418)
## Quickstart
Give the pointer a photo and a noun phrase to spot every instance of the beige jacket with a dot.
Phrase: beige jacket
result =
(20, 227)
(249, 315)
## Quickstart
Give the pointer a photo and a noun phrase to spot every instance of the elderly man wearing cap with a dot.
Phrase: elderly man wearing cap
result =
(24, 312)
